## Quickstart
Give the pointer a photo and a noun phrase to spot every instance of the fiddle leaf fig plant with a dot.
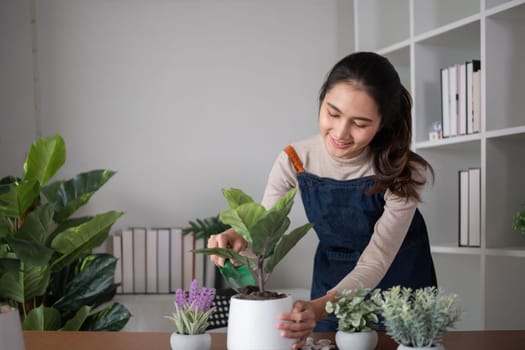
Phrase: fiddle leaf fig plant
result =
(47, 270)
(263, 229)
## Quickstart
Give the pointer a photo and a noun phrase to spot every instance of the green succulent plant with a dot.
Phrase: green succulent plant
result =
(355, 310)
(419, 317)
(47, 270)
(264, 230)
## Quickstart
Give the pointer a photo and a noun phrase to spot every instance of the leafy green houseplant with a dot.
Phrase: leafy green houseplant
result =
(418, 318)
(47, 270)
(519, 221)
(357, 318)
(263, 229)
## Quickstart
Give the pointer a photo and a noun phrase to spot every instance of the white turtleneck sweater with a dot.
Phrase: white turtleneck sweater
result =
(389, 230)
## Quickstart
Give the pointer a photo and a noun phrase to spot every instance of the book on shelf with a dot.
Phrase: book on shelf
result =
(471, 67)
(117, 253)
(163, 260)
(463, 208)
(175, 259)
(139, 260)
(453, 99)
(188, 260)
(445, 109)
(127, 260)
(474, 194)
(151, 261)
(200, 261)
(462, 99)
(476, 97)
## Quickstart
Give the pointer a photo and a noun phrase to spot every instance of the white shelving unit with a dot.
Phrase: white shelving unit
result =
(420, 37)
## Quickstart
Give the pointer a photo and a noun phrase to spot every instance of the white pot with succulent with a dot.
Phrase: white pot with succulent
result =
(417, 319)
(10, 329)
(191, 311)
(357, 318)
(253, 316)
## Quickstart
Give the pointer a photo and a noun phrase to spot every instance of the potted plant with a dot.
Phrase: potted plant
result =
(47, 271)
(417, 319)
(357, 318)
(265, 231)
(191, 311)
(519, 221)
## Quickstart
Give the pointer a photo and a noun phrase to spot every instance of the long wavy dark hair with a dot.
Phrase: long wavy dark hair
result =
(393, 160)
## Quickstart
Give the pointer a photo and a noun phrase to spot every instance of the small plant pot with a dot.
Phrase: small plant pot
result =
(190, 342)
(11, 330)
(356, 340)
(435, 347)
(252, 324)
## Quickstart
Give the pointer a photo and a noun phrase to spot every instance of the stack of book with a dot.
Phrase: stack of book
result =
(461, 99)
(159, 261)
(470, 207)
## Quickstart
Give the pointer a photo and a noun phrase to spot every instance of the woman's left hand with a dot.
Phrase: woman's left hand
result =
(299, 323)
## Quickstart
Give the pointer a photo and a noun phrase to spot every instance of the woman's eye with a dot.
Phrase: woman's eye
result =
(361, 126)
(333, 115)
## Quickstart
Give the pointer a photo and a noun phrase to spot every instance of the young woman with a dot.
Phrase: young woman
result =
(360, 185)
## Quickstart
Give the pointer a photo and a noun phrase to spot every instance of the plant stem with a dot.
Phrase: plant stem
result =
(260, 273)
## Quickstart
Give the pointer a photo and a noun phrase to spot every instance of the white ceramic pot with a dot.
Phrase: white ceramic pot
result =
(11, 331)
(356, 340)
(252, 324)
(190, 342)
(436, 347)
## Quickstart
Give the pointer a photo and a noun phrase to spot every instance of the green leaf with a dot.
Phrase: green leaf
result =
(76, 241)
(36, 280)
(4, 230)
(112, 318)
(286, 243)
(42, 318)
(36, 225)
(236, 197)
(228, 253)
(243, 218)
(32, 253)
(93, 279)
(8, 265)
(70, 195)
(267, 231)
(46, 156)
(75, 323)
(17, 197)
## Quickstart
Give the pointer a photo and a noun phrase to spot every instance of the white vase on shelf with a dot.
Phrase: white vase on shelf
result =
(435, 347)
(190, 342)
(10, 330)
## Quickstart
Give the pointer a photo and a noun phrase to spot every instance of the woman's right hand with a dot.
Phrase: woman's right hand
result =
(226, 239)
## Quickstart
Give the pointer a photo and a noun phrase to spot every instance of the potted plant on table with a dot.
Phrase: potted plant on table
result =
(519, 221)
(357, 318)
(191, 311)
(254, 312)
(417, 319)
(47, 271)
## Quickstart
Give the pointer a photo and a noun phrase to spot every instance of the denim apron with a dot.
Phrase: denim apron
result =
(344, 217)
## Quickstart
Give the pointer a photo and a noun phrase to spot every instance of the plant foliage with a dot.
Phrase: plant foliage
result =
(204, 228)
(265, 231)
(355, 311)
(46, 267)
(519, 221)
(419, 317)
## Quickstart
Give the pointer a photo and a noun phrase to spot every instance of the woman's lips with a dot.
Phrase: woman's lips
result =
(339, 144)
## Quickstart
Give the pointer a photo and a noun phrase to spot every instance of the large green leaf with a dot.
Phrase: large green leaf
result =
(43, 318)
(267, 231)
(70, 195)
(32, 253)
(76, 241)
(93, 278)
(46, 156)
(228, 253)
(4, 230)
(286, 243)
(243, 218)
(8, 265)
(112, 318)
(24, 284)
(76, 322)
(36, 225)
(236, 197)
(17, 197)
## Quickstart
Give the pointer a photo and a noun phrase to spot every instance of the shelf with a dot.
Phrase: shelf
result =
(432, 14)
(448, 141)
(453, 248)
(516, 252)
(518, 132)
(496, 6)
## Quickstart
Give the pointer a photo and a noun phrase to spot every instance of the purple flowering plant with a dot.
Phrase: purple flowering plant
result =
(192, 309)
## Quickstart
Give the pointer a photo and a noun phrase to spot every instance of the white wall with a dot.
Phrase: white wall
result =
(181, 97)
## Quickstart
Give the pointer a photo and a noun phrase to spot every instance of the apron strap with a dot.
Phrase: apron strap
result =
(294, 158)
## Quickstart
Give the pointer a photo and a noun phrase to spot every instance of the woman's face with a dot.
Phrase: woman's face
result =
(348, 120)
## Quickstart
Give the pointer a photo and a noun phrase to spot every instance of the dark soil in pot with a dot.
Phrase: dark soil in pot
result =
(253, 293)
